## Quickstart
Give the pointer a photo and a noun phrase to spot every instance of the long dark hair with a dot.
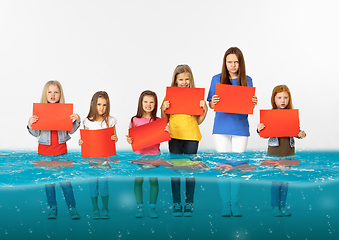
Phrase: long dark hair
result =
(225, 75)
(140, 110)
(93, 113)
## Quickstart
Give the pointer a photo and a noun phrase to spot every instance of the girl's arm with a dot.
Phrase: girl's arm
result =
(165, 105)
(215, 100)
(35, 133)
(76, 122)
(201, 118)
(115, 136)
(80, 142)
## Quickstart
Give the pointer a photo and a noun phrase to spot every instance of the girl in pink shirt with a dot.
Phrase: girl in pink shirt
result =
(146, 113)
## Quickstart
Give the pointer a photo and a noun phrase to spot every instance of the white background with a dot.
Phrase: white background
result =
(125, 47)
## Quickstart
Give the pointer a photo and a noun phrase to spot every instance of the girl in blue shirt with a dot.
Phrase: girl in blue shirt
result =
(230, 130)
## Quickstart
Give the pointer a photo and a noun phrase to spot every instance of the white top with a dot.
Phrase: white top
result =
(95, 125)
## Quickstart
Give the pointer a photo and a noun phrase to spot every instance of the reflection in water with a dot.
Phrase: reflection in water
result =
(313, 167)
(279, 189)
(55, 164)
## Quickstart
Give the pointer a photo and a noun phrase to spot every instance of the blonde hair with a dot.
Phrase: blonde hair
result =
(45, 91)
(182, 69)
(279, 89)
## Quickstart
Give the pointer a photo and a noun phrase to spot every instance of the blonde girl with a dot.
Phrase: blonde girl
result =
(280, 146)
(185, 137)
(146, 113)
(99, 118)
(53, 143)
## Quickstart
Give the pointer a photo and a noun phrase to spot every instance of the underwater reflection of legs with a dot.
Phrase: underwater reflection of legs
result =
(103, 187)
(176, 189)
(93, 192)
(69, 197)
(278, 199)
(154, 191)
(138, 193)
(190, 188)
(177, 208)
(95, 185)
(50, 194)
(51, 201)
(229, 190)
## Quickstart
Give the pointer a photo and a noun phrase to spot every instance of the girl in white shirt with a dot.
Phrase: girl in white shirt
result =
(99, 118)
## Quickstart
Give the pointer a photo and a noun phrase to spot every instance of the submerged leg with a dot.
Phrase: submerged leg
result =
(68, 193)
(138, 181)
(50, 194)
(175, 183)
(154, 189)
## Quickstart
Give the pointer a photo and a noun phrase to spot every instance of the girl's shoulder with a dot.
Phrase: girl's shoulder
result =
(85, 122)
(112, 121)
(249, 81)
(216, 78)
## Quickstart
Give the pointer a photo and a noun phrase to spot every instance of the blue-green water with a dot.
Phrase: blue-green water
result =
(18, 168)
(312, 197)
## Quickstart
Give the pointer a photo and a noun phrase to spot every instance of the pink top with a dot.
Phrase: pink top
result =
(152, 150)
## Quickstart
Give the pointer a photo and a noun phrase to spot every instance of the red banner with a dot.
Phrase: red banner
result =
(149, 134)
(280, 123)
(97, 143)
(185, 100)
(53, 116)
(234, 99)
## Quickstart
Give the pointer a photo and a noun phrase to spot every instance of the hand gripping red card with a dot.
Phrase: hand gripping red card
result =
(280, 123)
(185, 100)
(97, 143)
(53, 116)
(149, 134)
(234, 99)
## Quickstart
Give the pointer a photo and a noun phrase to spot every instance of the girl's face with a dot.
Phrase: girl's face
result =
(183, 80)
(281, 100)
(148, 104)
(101, 106)
(232, 64)
(53, 94)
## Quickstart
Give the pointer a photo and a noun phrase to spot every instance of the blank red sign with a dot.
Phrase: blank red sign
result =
(53, 116)
(280, 122)
(185, 100)
(149, 134)
(97, 143)
(234, 99)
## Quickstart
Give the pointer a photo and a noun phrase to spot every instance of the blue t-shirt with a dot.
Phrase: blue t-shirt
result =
(229, 123)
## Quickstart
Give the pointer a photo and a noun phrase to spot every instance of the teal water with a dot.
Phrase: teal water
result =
(18, 168)
(312, 197)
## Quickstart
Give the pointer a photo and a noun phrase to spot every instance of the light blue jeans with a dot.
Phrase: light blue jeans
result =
(279, 194)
